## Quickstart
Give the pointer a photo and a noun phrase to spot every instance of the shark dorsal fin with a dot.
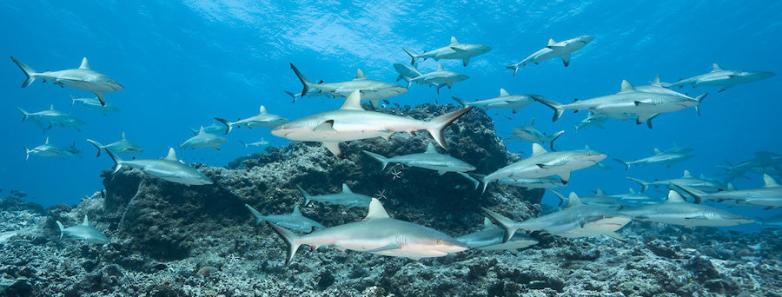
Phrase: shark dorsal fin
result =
(487, 223)
(626, 86)
(86, 221)
(201, 130)
(453, 40)
(171, 155)
(85, 64)
(573, 200)
(631, 191)
(657, 82)
(503, 93)
(376, 210)
(551, 42)
(657, 151)
(122, 135)
(430, 149)
(346, 189)
(599, 192)
(296, 211)
(51, 106)
(730, 187)
(359, 74)
(353, 101)
(262, 109)
(537, 149)
(715, 67)
(686, 174)
(46, 141)
(674, 197)
(439, 67)
(769, 181)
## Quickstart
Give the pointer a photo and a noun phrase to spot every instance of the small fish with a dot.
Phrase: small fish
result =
(666, 158)
(453, 51)
(204, 140)
(263, 119)
(94, 102)
(722, 78)
(345, 198)
(48, 150)
(84, 232)
(259, 143)
(294, 221)
(554, 49)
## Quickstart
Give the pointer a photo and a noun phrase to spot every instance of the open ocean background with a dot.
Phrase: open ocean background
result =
(183, 63)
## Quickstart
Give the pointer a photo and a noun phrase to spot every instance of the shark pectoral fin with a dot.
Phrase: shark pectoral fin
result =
(566, 60)
(616, 236)
(466, 61)
(325, 126)
(474, 181)
(101, 98)
(564, 177)
(441, 172)
(391, 246)
(333, 147)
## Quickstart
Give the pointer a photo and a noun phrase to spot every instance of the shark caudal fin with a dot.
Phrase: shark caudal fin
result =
(258, 216)
(700, 100)
(290, 238)
(514, 67)
(27, 152)
(305, 194)
(554, 137)
(412, 54)
(627, 166)
(461, 101)
(97, 145)
(304, 82)
(436, 125)
(29, 73)
(504, 222)
(644, 185)
(229, 126)
(556, 106)
(380, 158)
(24, 113)
(61, 228)
(696, 194)
(117, 160)
(292, 95)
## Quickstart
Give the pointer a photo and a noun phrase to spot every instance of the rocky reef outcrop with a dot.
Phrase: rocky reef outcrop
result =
(173, 240)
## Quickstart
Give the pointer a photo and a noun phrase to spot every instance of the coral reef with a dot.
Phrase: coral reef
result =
(173, 240)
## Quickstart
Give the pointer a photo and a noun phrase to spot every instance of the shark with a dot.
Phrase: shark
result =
(529, 133)
(438, 78)
(504, 100)
(543, 163)
(345, 198)
(84, 232)
(769, 196)
(687, 180)
(352, 122)
(722, 78)
(213, 128)
(377, 234)
(532, 183)
(82, 78)
(575, 221)
(666, 158)
(51, 117)
(94, 102)
(260, 143)
(490, 238)
(123, 145)
(453, 51)
(676, 211)
(263, 119)
(628, 199)
(562, 50)
(49, 150)
(294, 221)
(169, 169)
(646, 106)
(372, 90)
(429, 159)
(204, 140)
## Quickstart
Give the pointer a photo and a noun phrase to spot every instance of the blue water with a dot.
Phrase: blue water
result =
(184, 63)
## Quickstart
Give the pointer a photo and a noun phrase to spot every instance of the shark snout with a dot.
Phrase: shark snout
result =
(586, 38)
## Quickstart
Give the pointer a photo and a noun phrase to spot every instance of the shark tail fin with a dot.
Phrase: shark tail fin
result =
(304, 82)
(436, 125)
(644, 185)
(696, 194)
(627, 166)
(305, 194)
(554, 137)
(557, 107)
(290, 238)
(24, 113)
(700, 100)
(97, 145)
(504, 222)
(380, 158)
(29, 73)
(292, 95)
(228, 124)
(460, 101)
(258, 216)
(117, 160)
(412, 54)
(514, 67)
(27, 152)
(61, 228)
